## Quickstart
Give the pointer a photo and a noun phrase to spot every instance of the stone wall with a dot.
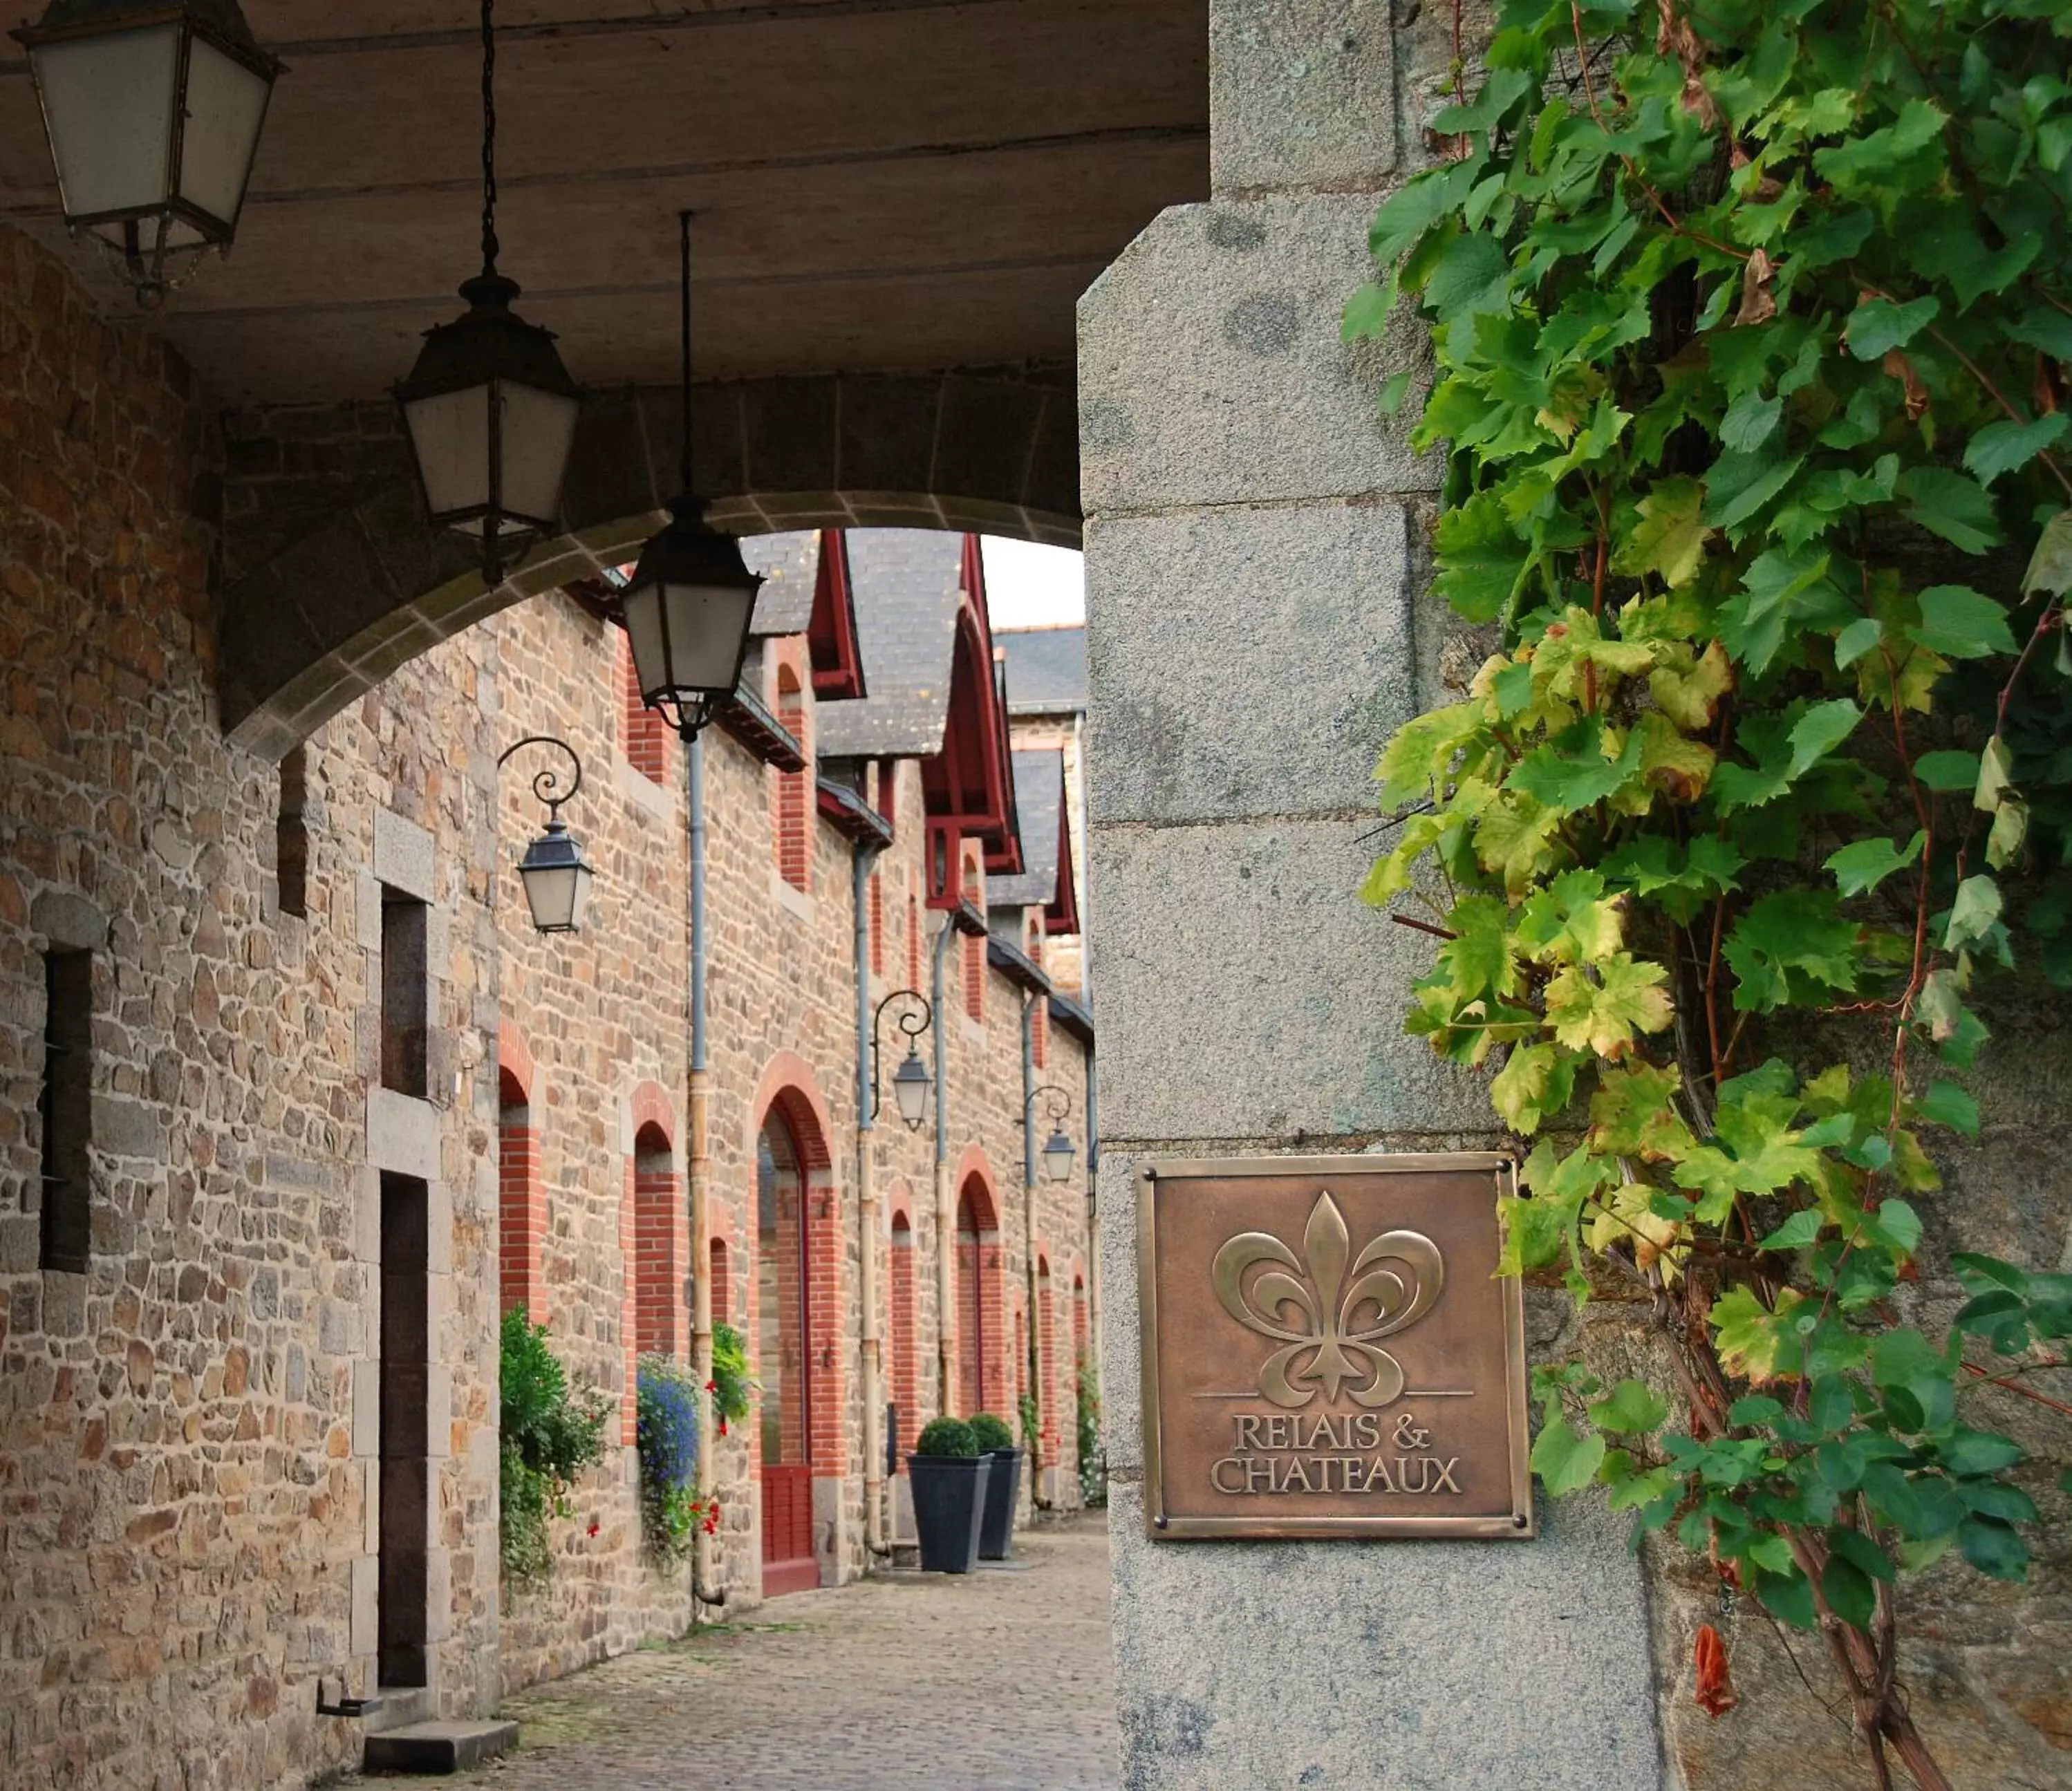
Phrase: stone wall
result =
(191, 1430)
(1256, 555)
(187, 1498)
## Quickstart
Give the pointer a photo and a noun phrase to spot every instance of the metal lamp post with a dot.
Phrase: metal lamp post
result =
(556, 876)
(153, 111)
(911, 1082)
(490, 410)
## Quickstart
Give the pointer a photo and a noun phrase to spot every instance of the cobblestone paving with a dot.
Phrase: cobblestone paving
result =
(997, 1681)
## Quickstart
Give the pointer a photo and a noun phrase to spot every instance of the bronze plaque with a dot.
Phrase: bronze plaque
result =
(1328, 1349)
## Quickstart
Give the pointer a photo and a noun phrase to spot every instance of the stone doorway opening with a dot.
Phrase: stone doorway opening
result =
(404, 1491)
(784, 1319)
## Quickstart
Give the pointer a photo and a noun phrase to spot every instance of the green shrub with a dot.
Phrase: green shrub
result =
(1093, 1462)
(732, 1388)
(547, 1438)
(947, 1436)
(991, 1431)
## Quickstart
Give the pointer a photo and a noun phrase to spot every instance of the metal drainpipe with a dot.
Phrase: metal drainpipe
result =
(946, 1320)
(698, 1174)
(866, 1221)
(1028, 1244)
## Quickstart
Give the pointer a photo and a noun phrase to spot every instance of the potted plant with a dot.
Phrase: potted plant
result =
(949, 1476)
(1002, 1487)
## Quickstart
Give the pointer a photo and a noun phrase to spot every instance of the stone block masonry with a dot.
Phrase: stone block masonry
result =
(255, 1443)
(1251, 644)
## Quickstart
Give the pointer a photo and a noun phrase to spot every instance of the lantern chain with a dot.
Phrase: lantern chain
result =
(684, 230)
(488, 138)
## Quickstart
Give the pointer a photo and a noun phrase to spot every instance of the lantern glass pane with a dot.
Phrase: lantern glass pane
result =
(706, 628)
(1058, 1158)
(109, 101)
(538, 427)
(558, 895)
(911, 1093)
(450, 435)
(226, 105)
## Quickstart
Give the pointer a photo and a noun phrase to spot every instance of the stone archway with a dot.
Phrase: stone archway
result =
(335, 579)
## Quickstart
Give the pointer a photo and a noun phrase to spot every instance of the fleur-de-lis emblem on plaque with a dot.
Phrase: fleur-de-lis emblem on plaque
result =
(1333, 1336)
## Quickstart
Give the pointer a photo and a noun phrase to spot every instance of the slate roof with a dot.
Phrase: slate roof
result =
(1039, 799)
(790, 564)
(905, 584)
(1047, 670)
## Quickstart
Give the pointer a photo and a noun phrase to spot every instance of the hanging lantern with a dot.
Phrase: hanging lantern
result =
(489, 408)
(556, 880)
(153, 111)
(554, 873)
(691, 596)
(911, 1083)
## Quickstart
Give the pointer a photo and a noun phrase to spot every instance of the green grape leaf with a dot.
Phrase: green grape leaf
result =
(1565, 1459)
(1860, 868)
(2007, 447)
(1632, 1408)
(1876, 327)
(1958, 509)
(1962, 623)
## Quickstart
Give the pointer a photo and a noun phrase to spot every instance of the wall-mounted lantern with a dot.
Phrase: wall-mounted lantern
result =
(691, 596)
(911, 1082)
(1057, 1154)
(153, 111)
(554, 871)
(490, 410)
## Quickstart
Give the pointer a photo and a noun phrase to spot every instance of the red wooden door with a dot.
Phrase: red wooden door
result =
(784, 1365)
(788, 1563)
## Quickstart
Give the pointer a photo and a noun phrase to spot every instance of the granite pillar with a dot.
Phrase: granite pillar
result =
(1257, 628)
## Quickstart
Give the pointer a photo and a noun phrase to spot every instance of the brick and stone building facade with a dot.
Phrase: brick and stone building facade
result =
(340, 1106)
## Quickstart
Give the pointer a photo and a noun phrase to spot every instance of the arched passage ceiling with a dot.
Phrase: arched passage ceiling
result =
(887, 185)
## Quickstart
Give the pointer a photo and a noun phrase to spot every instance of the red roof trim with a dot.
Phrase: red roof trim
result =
(970, 780)
(1062, 915)
(831, 637)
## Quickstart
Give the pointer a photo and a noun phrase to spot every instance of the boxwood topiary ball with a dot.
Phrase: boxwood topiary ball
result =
(947, 1436)
(991, 1431)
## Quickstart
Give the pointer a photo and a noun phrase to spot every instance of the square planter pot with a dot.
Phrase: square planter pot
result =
(1003, 1488)
(949, 1506)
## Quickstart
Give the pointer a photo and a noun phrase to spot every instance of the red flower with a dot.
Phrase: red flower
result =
(1716, 1694)
(593, 1526)
(712, 1387)
(722, 1426)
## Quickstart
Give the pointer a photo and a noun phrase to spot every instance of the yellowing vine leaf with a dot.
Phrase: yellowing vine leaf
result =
(1600, 1007)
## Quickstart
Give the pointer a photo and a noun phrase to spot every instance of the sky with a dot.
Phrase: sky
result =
(1028, 586)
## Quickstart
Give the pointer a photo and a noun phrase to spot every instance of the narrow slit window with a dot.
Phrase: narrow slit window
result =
(67, 1109)
(291, 834)
(405, 994)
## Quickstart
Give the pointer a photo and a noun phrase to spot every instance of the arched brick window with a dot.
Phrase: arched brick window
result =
(643, 734)
(904, 1378)
(521, 1200)
(795, 789)
(982, 1381)
(661, 1245)
(722, 1285)
(974, 948)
